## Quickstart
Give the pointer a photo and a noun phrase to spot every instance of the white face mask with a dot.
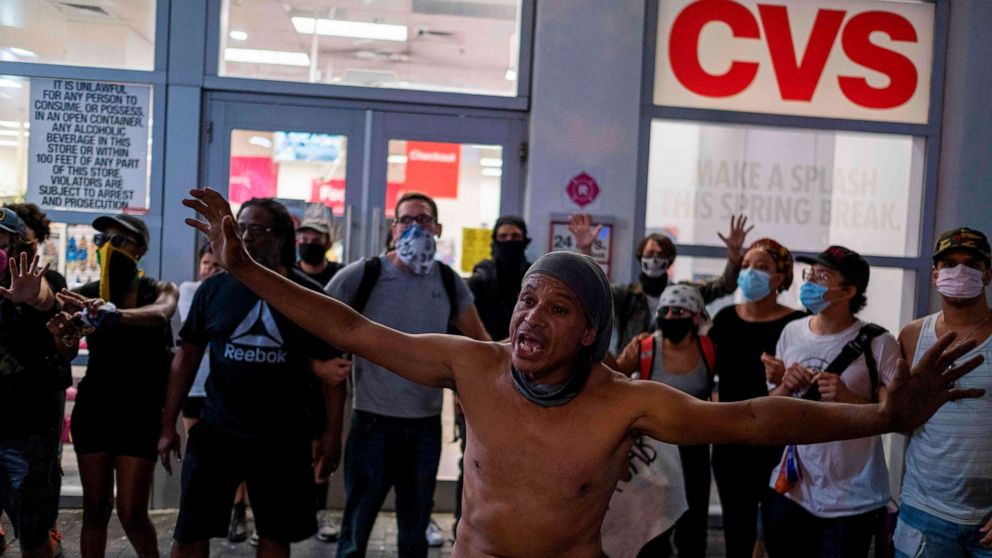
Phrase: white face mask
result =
(654, 266)
(960, 281)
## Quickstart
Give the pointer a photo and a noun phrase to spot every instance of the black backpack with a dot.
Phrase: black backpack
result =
(850, 352)
(370, 276)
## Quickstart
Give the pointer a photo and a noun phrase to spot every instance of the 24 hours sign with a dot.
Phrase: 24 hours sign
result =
(88, 149)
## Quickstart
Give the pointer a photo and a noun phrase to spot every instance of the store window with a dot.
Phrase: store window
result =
(455, 46)
(114, 34)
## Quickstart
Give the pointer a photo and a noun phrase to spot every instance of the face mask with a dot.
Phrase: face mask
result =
(415, 248)
(312, 254)
(811, 295)
(754, 284)
(960, 281)
(675, 329)
(654, 266)
(4, 258)
(118, 272)
(509, 250)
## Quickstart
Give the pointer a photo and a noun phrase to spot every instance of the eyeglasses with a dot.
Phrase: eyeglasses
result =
(822, 276)
(676, 311)
(424, 220)
(115, 240)
(255, 230)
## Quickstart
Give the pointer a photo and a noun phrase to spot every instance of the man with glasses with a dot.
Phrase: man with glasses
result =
(828, 496)
(256, 425)
(395, 437)
(946, 507)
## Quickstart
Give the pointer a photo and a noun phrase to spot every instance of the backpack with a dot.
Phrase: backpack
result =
(370, 276)
(705, 344)
(850, 352)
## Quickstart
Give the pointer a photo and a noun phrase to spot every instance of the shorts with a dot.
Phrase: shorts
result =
(193, 406)
(96, 430)
(26, 490)
(278, 473)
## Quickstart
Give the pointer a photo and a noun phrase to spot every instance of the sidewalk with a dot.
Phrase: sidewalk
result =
(381, 545)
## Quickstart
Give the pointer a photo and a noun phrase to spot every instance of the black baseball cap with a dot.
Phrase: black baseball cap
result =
(849, 263)
(130, 223)
(11, 222)
(963, 238)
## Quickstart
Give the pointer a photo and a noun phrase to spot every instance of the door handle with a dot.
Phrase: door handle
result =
(349, 220)
(377, 213)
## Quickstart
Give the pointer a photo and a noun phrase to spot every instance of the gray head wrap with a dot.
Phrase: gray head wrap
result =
(583, 276)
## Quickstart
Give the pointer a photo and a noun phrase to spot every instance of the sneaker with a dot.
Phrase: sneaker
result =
(327, 527)
(435, 536)
(253, 539)
(55, 539)
(3, 540)
(238, 530)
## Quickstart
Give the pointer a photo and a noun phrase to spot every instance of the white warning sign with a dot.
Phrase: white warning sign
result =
(88, 149)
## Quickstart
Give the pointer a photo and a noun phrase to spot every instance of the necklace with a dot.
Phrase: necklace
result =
(988, 314)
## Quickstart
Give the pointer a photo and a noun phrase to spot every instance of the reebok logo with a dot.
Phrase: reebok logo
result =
(257, 338)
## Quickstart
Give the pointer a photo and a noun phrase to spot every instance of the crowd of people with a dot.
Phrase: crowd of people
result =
(556, 373)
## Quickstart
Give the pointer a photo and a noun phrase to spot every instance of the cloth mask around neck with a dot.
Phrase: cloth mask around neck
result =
(416, 248)
(811, 296)
(550, 395)
(118, 273)
(312, 254)
(960, 281)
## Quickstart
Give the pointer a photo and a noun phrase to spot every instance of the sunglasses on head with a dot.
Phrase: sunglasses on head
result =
(115, 240)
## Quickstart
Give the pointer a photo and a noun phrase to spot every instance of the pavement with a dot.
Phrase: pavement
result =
(381, 545)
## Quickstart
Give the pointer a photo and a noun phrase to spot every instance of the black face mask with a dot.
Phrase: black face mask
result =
(653, 286)
(312, 254)
(121, 274)
(509, 250)
(675, 329)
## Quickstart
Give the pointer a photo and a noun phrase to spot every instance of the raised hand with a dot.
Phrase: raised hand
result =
(580, 225)
(25, 280)
(915, 395)
(774, 368)
(220, 227)
(74, 302)
(735, 238)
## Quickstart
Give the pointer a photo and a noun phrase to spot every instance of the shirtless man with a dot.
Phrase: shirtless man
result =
(559, 414)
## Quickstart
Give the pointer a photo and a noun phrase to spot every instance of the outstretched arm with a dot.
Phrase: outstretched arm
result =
(912, 398)
(424, 359)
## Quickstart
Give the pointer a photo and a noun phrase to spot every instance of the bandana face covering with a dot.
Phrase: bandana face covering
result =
(549, 395)
(118, 272)
(416, 248)
(654, 267)
(959, 281)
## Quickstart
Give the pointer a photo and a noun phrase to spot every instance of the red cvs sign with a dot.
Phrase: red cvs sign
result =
(582, 189)
(811, 57)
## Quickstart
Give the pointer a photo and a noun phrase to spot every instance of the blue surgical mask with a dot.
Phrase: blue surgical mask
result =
(416, 248)
(754, 284)
(811, 295)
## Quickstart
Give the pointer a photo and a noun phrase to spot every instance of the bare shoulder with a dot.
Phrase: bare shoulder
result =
(638, 398)
(472, 359)
(908, 337)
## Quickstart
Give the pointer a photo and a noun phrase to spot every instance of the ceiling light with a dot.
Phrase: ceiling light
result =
(351, 29)
(10, 123)
(489, 171)
(491, 161)
(8, 143)
(253, 56)
(9, 83)
(260, 141)
(396, 159)
(238, 35)
(511, 74)
(14, 133)
(22, 52)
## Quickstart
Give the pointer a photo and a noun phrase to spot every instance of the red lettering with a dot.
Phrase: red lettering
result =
(683, 48)
(797, 81)
(859, 48)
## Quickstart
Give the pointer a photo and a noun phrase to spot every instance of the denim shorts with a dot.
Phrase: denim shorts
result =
(26, 490)
(922, 535)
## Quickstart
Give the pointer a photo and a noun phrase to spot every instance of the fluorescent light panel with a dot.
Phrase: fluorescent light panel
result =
(238, 35)
(490, 171)
(396, 159)
(351, 29)
(490, 161)
(255, 56)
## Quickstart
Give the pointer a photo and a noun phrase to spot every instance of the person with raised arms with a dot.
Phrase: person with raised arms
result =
(542, 407)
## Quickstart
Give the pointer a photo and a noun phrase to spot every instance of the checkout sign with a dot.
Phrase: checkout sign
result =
(864, 60)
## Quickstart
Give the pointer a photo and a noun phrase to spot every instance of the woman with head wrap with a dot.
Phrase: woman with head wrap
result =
(676, 355)
(745, 336)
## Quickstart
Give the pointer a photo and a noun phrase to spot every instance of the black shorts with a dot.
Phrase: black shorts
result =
(96, 429)
(193, 406)
(278, 474)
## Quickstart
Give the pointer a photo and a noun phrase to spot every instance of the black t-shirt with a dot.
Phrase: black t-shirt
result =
(128, 365)
(739, 345)
(324, 277)
(32, 372)
(260, 379)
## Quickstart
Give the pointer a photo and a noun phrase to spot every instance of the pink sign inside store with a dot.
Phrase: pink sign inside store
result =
(582, 189)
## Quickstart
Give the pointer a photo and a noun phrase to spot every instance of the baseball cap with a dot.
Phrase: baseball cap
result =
(965, 239)
(12, 223)
(130, 223)
(316, 225)
(849, 263)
